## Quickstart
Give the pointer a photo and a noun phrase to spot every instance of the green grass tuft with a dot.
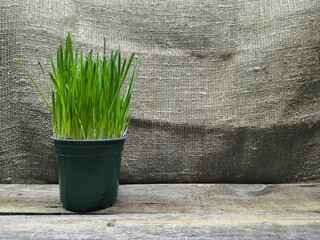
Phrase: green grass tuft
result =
(86, 99)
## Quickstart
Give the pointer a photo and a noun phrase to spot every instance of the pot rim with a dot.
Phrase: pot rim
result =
(88, 140)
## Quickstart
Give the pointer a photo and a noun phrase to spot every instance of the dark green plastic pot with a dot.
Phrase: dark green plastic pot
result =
(88, 172)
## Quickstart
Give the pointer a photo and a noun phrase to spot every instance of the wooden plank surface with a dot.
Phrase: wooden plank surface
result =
(178, 211)
(161, 226)
(172, 198)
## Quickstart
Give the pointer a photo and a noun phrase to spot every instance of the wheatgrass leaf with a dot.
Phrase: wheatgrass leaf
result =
(44, 75)
(35, 85)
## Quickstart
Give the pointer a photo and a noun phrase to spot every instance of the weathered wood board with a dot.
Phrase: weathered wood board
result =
(178, 211)
(162, 226)
(173, 198)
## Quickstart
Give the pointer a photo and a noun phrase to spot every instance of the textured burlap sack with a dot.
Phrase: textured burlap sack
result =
(229, 90)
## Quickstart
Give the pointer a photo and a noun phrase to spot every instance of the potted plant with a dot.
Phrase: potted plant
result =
(90, 116)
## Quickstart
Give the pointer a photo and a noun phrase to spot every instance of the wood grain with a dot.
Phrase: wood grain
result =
(162, 226)
(179, 211)
(172, 198)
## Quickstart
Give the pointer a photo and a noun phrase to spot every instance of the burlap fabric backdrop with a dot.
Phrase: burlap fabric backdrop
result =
(228, 92)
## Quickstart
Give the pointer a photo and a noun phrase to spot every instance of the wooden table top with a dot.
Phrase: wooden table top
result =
(167, 211)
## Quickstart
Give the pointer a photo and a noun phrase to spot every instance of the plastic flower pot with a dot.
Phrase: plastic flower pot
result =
(88, 172)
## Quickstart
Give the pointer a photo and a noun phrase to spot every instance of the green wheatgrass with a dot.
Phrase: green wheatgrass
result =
(86, 99)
